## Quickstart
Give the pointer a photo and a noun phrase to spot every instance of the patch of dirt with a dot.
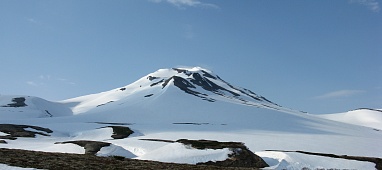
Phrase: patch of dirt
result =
(121, 132)
(3, 142)
(15, 131)
(241, 156)
(58, 161)
(91, 147)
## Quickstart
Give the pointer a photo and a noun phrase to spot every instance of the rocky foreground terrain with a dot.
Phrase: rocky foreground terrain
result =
(46, 160)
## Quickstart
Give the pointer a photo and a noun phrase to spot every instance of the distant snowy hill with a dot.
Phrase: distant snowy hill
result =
(186, 103)
(362, 117)
(30, 107)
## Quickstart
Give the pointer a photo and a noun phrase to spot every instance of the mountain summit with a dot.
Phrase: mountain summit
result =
(197, 82)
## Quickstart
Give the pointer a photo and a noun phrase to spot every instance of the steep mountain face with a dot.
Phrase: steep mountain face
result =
(197, 82)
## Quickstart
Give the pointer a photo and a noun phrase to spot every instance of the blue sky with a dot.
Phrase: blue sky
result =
(317, 56)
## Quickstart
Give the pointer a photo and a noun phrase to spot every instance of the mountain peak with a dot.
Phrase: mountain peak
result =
(183, 71)
(206, 85)
(179, 82)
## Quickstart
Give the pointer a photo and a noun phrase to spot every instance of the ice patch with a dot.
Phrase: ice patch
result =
(7, 167)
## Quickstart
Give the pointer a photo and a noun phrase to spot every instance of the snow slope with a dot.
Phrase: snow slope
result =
(17, 107)
(362, 117)
(194, 103)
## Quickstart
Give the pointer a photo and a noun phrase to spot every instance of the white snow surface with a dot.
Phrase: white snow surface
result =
(114, 150)
(363, 117)
(156, 108)
(7, 167)
(179, 153)
(297, 161)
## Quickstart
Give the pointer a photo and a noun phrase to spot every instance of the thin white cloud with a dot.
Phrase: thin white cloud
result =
(31, 20)
(187, 3)
(32, 83)
(340, 94)
(373, 5)
(66, 81)
(45, 80)
(44, 77)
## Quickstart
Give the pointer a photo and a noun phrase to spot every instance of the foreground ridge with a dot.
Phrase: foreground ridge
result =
(47, 160)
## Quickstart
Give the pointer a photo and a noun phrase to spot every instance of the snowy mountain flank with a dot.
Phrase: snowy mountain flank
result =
(363, 117)
(192, 116)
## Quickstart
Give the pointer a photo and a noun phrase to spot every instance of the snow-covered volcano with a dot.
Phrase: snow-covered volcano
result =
(178, 82)
(189, 103)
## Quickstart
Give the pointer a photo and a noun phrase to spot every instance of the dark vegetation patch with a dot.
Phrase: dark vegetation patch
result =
(121, 132)
(191, 123)
(157, 82)
(210, 144)
(61, 161)
(121, 158)
(113, 123)
(159, 140)
(104, 103)
(3, 142)
(91, 147)
(151, 78)
(241, 156)
(148, 95)
(15, 131)
(377, 161)
(17, 102)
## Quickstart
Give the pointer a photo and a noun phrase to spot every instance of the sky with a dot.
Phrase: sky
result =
(316, 56)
